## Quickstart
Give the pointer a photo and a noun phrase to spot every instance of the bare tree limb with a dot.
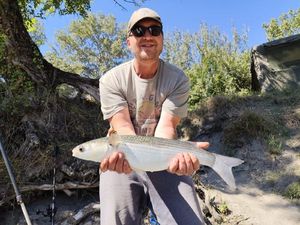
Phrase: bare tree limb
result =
(126, 1)
(49, 187)
(58, 187)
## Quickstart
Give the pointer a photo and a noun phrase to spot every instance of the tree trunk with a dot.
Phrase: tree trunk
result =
(24, 53)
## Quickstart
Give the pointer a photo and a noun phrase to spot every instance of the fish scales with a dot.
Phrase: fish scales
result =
(167, 146)
(155, 141)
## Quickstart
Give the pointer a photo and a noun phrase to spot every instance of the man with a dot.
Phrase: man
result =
(146, 96)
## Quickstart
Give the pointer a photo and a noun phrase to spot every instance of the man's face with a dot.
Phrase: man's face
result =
(147, 47)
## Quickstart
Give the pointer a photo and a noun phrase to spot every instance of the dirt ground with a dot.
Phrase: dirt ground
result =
(252, 206)
(261, 180)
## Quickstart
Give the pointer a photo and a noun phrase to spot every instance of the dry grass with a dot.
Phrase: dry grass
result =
(293, 191)
(248, 126)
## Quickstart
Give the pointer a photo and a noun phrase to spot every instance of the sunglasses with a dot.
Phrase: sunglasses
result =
(140, 31)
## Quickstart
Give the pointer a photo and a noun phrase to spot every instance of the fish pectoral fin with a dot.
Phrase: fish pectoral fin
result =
(114, 139)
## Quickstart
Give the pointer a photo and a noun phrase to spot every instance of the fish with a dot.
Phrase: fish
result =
(150, 154)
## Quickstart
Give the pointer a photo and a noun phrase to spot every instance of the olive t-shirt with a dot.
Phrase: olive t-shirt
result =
(167, 91)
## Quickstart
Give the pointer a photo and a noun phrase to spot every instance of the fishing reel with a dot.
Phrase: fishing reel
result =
(50, 212)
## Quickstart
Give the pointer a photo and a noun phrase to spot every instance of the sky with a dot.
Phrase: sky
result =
(187, 15)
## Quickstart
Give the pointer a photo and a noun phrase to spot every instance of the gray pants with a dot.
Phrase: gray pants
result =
(123, 198)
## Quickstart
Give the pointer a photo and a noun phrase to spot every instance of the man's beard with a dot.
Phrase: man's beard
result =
(148, 55)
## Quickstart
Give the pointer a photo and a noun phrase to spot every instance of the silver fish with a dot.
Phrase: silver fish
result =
(146, 153)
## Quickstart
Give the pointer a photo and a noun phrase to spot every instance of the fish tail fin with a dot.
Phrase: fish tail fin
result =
(223, 167)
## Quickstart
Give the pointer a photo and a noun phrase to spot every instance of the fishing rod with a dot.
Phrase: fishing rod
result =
(53, 206)
(12, 178)
(52, 209)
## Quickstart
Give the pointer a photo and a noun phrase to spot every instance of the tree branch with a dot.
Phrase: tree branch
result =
(25, 54)
(49, 187)
(127, 1)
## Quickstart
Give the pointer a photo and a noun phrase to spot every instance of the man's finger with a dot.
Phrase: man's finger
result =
(119, 163)
(182, 167)
(173, 167)
(104, 165)
(203, 145)
(126, 168)
(195, 162)
(112, 160)
(188, 163)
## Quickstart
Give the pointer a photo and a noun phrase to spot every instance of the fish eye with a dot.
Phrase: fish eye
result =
(81, 149)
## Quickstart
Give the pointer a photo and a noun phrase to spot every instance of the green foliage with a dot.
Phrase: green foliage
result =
(15, 93)
(36, 31)
(15, 87)
(41, 8)
(287, 24)
(293, 191)
(90, 46)
(223, 208)
(2, 51)
(274, 145)
(214, 64)
(180, 50)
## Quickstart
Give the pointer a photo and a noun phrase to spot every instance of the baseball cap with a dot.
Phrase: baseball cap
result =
(140, 14)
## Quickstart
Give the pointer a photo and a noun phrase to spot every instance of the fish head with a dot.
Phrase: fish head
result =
(94, 150)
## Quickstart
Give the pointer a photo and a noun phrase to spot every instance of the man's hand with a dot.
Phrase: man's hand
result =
(116, 162)
(186, 163)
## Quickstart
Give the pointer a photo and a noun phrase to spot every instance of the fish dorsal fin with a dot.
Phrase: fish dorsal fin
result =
(114, 139)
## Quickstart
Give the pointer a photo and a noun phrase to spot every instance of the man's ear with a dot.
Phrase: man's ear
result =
(128, 42)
